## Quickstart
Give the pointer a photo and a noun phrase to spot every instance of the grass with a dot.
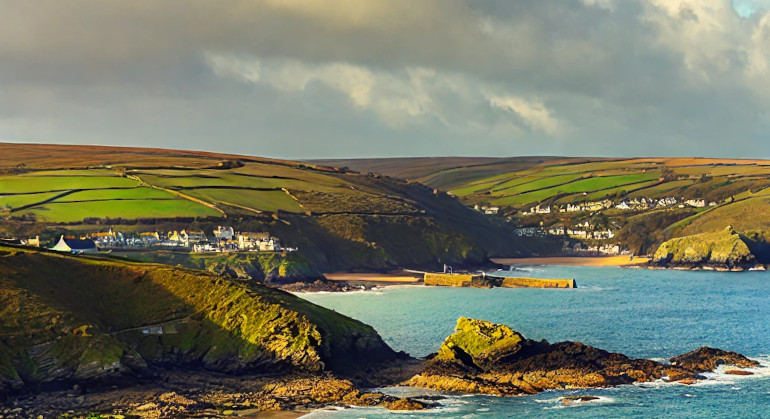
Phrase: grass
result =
(532, 183)
(748, 214)
(117, 194)
(584, 185)
(66, 212)
(270, 201)
(201, 179)
(27, 184)
(16, 201)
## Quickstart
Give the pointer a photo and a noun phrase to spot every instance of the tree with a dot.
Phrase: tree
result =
(667, 174)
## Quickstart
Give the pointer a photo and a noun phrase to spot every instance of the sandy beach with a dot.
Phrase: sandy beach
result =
(393, 277)
(575, 261)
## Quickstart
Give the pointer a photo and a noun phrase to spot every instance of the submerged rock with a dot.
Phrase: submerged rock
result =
(487, 358)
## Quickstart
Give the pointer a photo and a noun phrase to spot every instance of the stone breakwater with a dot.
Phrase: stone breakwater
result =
(485, 358)
(489, 281)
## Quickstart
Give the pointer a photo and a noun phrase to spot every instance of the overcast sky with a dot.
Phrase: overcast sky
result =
(353, 78)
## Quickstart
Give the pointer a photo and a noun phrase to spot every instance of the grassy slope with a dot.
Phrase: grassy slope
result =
(49, 300)
(528, 181)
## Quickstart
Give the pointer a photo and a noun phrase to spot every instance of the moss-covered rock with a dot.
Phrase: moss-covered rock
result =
(77, 318)
(724, 248)
(477, 342)
(488, 358)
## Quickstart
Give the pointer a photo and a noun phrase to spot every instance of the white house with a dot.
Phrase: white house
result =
(75, 246)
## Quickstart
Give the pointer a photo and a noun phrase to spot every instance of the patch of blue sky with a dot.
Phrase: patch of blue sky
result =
(746, 8)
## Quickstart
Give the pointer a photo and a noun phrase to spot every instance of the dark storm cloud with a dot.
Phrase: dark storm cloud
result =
(296, 79)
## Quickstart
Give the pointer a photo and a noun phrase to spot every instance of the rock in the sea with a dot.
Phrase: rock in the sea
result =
(724, 250)
(487, 358)
(739, 372)
(707, 359)
(570, 400)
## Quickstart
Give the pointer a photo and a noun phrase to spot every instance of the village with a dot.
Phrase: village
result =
(223, 239)
(589, 239)
(631, 204)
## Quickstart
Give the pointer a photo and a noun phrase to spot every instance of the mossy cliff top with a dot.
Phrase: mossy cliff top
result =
(726, 248)
(483, 357)
(78, 318)
(479, 341)
(268, 267)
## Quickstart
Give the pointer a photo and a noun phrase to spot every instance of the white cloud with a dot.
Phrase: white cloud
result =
(707, 34)
(604, 4)
(224, 66)
(533, 113)
(397, 99)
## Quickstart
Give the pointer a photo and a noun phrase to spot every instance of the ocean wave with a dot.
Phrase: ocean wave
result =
(721, 377)
(561, 404)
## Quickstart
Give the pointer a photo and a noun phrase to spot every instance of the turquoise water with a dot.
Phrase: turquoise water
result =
(641, 313)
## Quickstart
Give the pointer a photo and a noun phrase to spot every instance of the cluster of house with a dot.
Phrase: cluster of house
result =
(670, 201)
(487, 209)
(579, 231)
(595, 250)
(627, 204)
(223, 239)
(228, 240)
(578, 207)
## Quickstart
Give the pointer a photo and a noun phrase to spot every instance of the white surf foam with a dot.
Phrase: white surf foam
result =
(578, 403)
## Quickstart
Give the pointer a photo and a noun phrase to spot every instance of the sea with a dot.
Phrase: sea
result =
(654, 314)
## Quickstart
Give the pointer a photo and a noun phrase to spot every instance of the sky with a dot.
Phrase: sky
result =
(303, 79)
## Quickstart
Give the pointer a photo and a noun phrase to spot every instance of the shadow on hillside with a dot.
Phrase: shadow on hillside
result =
(77, 310)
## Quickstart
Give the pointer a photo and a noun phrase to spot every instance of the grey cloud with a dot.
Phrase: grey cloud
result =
(301, 79)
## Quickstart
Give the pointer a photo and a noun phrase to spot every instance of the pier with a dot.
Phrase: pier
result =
(470, 280)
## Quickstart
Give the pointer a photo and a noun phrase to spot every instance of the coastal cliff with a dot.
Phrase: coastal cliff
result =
(273, 268)
(67, 320)
(722, 250)
(487, 358)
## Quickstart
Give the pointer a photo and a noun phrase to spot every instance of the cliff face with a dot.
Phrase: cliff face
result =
(266, 267)
(726, 249)
(75, 318)
(487, 358)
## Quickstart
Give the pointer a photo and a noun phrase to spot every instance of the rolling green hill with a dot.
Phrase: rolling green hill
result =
(734, 188)
(339, 219)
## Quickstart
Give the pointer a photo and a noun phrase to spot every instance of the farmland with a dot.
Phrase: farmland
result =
(338, 218)
(733, 191)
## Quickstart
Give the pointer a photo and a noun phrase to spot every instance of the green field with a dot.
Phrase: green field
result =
(247, 188)
(66, 212)
(26, 184)
(16, 201)
(117, 194)
(270, 201)
(573, 185)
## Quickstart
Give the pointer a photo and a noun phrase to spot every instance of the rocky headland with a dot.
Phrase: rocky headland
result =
(86, 334)
(725, 250)
(487, 358)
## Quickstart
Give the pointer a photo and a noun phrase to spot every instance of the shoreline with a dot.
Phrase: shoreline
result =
(618, 261)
